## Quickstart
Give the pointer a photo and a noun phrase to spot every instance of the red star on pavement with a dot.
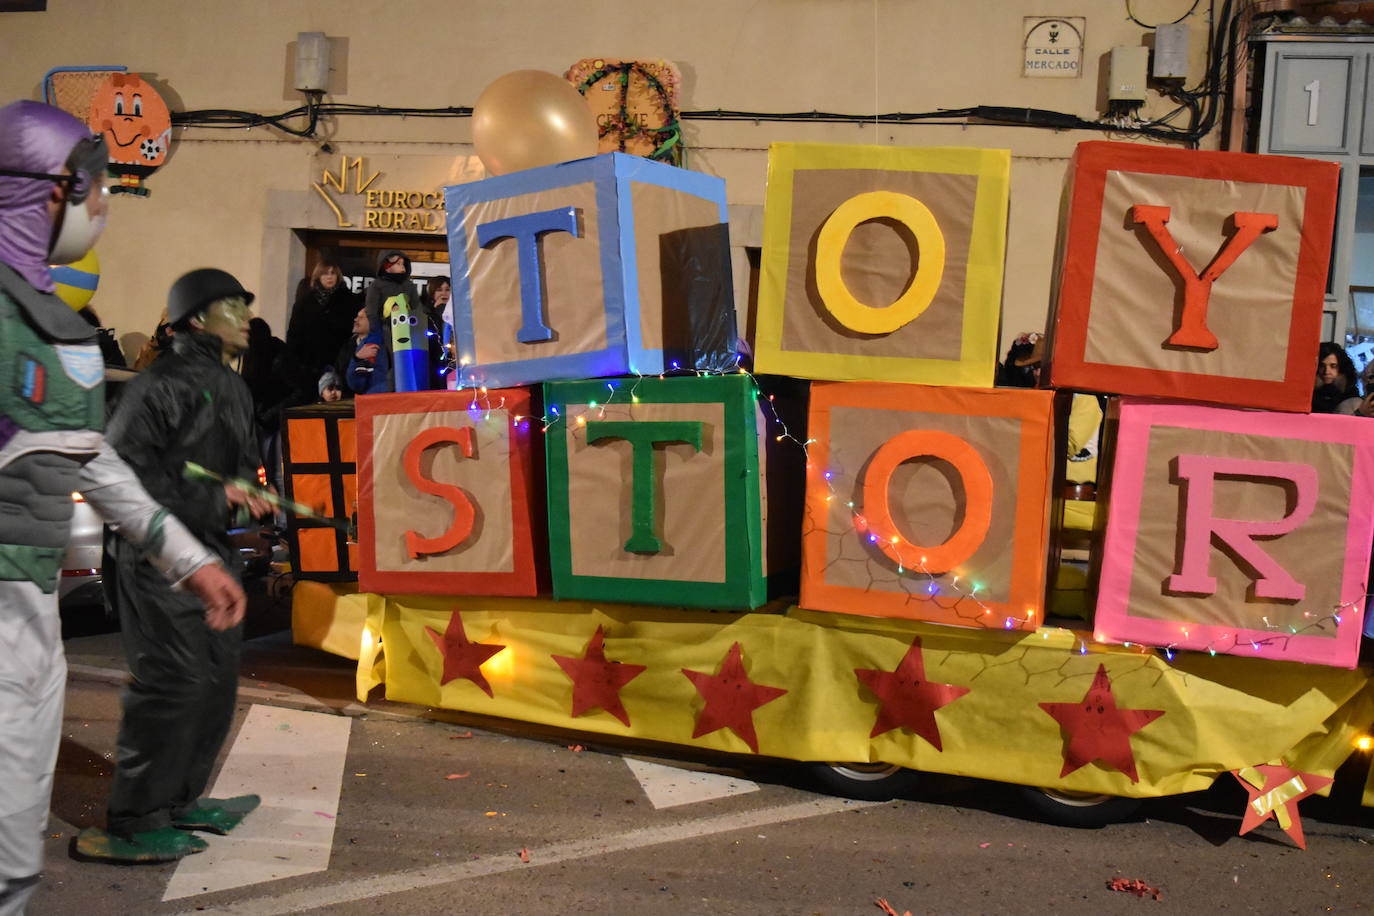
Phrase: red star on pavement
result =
(908, 699)
(597, 681)
(731, 698)
(1274, 791)
(1098, 730)
(462, 658)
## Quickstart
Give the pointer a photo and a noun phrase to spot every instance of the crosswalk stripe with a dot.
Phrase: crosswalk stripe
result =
(294, 759)
(373, 887)
(668, 786)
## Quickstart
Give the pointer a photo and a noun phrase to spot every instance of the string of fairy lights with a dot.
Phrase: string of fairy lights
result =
(910, 573)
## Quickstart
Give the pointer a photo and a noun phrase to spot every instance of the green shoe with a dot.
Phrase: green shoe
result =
(166, 844)
(217, 815)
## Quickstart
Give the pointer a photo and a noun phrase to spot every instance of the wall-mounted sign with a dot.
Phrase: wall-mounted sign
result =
(362, 197)
(1053, 46)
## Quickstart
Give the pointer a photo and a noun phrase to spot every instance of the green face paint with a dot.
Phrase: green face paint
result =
(227, 319)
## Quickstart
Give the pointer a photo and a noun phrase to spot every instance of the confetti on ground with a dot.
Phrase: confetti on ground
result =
(984, 845)
(1133, 886)
(882, 904)
(325, 814)
(456, 776)
(463, 735)
(524, 854)
(576, 748)
(359, 774)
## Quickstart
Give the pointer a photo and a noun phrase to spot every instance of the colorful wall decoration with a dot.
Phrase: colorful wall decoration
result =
(137, 126)
(636, 105)
(665, 490)
(599, 266)
(319, 458)
(928, 503)
(882, 263)
(451, 501)
(1192, 274)
(1238, 532)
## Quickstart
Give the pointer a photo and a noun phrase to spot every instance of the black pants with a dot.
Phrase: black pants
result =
(179, 704)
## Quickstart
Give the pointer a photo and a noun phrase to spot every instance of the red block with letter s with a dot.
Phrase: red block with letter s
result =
(448, 494)
(1194, 275)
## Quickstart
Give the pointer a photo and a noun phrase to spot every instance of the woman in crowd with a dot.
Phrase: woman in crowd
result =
(321, 318)
(1334, 389)
(437, 295)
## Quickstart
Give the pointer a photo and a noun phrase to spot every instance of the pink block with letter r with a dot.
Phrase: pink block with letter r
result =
(1237, 531)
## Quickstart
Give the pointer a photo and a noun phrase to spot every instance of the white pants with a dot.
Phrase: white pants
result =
(33, 675)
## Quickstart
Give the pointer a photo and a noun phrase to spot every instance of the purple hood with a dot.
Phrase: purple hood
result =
(33, 138)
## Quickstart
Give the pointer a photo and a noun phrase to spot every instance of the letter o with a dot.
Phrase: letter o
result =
(877, 478)
(930, 266)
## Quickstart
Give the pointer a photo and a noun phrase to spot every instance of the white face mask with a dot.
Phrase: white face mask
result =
(78, 233)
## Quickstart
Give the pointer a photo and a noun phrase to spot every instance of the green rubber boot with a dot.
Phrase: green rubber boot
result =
(166, 844)
(217, 815)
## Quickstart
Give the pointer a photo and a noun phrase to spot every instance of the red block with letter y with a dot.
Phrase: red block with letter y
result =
(1194, 275)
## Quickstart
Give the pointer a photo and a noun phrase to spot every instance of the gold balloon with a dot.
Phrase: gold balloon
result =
(530, 118)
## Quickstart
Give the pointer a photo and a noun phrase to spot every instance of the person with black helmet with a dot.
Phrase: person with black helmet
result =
(52, 208)
(188, 406)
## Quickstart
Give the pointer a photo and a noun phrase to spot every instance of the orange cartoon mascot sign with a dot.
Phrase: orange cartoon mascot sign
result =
(137, 127)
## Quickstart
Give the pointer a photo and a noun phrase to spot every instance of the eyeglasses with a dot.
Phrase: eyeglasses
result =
(86, 165)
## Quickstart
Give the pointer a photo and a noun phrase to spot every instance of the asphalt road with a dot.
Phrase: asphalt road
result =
(434, 812)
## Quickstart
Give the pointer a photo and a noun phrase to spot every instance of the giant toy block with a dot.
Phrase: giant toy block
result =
(450, 501)
(1238, 531)
(319, 459)
(882, 263)
(600, 266)
(670, 490)
(1193, 275)
(929, 503)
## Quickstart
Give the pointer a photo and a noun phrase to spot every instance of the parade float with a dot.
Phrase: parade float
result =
(840, 544)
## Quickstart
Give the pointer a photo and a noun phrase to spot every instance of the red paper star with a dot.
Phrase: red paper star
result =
(731, 698)
(462, 658)
(597, 681)
(1098, 730)
(908, 699)
(1275, 790)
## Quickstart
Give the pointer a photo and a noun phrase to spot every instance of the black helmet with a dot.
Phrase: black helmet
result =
(193, 291)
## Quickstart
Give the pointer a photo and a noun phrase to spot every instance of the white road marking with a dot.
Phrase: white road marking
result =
(372, 887)
(295, 761)
(668, 786)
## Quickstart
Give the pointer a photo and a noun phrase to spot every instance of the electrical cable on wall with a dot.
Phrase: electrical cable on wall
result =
(1131, 16)
(1202, 103)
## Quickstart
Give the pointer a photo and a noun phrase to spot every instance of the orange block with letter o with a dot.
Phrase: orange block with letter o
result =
(929, 503)
(1193, 274)
(445, 494)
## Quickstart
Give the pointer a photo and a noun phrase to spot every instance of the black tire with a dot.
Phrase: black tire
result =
(862, 781)
(1077, 809)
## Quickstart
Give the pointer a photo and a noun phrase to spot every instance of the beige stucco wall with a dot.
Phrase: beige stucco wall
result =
(230, 197)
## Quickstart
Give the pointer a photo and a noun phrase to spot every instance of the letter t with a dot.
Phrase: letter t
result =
(526, 229)
(643, 435)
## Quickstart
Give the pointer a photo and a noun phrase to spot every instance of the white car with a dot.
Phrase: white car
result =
(80, 583)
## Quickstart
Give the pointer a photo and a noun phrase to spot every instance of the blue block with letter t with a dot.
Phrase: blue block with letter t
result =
(611, 265)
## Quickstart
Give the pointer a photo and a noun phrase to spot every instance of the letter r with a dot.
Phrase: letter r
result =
(1198, 474)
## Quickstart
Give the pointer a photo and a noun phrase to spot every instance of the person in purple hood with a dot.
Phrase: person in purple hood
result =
(52, 208)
